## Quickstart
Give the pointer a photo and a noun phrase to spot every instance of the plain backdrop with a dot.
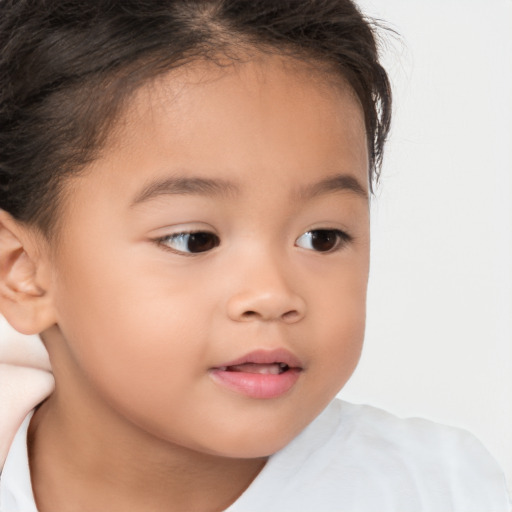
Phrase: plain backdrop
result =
(439, 335)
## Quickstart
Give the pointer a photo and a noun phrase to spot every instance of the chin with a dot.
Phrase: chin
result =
(251, 444)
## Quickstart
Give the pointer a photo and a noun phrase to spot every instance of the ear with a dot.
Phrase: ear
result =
(25, 300)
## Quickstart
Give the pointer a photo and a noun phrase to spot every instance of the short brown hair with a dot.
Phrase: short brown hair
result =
(66, 66)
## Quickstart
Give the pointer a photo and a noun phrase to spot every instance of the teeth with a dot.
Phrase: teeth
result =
(262, 369)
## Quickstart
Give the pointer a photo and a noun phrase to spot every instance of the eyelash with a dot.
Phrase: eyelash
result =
(163, 241)
(341, 240)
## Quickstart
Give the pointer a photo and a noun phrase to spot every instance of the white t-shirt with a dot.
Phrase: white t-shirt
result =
(352, 458)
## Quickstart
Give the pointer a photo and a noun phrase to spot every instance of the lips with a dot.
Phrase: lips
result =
(259, 374)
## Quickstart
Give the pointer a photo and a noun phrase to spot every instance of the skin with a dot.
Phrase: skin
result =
(133, 326)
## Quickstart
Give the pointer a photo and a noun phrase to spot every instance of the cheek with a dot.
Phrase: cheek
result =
(126, 326)
(144, 362)
(341, 312)
(343, 331)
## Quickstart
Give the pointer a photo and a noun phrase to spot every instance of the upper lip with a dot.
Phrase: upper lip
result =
(280, 355)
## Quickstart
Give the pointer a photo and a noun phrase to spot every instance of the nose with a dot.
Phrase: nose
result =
(264, 294)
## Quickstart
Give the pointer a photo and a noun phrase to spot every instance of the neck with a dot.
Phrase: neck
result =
(82, 460)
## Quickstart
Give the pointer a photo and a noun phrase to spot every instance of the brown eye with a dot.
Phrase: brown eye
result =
(191, 243)
(323, 240)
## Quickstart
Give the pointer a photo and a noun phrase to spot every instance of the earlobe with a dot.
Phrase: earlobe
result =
(24, 298)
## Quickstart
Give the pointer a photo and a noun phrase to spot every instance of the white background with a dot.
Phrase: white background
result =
(439, 336)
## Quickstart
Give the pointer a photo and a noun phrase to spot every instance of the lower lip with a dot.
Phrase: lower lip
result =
(257, 385)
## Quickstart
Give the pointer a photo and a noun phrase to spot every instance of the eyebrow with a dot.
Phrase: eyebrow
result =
(336, 183)
(178, 185)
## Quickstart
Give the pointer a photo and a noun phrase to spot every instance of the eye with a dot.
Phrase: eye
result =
(190, 243)
(323, 240)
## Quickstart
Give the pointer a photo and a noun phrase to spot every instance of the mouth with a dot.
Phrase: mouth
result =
(260, 374)
(261, 369)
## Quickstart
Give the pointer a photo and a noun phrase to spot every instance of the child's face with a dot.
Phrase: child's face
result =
(271, 167)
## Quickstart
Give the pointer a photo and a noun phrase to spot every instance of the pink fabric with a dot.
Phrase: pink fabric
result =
(25, 380)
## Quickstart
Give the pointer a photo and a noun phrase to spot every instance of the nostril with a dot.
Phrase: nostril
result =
(291, 315)
(265, 307)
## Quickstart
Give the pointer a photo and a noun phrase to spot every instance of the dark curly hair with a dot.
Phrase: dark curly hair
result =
(68, 66)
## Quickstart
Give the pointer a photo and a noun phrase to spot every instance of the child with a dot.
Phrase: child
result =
(184, 189)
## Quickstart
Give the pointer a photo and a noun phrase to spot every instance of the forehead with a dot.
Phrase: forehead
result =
(267, 120)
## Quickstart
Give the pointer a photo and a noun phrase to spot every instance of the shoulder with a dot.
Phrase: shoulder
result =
(378, 430)
(362, 459)
(417, 441)
(440, 463)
